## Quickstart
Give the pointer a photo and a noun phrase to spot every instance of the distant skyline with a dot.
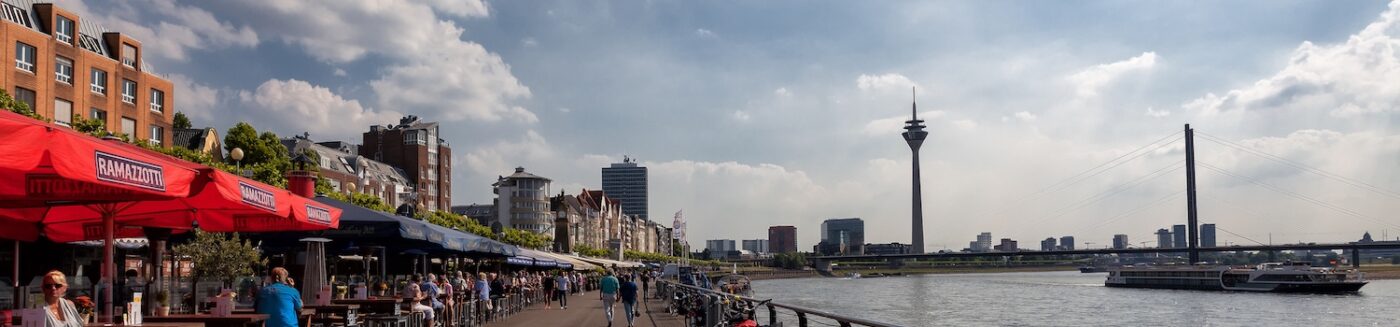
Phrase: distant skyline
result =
(757, 114)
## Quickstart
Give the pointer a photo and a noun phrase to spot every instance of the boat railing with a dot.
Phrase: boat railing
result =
(804, 315)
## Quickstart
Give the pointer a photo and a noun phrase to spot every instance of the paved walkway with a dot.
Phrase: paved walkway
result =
(587, 310)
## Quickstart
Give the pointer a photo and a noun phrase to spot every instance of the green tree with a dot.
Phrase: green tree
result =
(181, 122)
(19, 107)
(257, 148)
(95, 127)
(221, 256)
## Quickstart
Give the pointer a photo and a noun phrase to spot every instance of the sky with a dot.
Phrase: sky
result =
(1046, 119)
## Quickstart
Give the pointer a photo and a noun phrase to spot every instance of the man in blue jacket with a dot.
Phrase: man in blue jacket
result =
(281, 303)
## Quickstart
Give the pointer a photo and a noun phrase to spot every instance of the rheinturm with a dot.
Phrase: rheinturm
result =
(914, 134)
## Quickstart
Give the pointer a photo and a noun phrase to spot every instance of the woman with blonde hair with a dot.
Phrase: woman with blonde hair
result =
(58, 312)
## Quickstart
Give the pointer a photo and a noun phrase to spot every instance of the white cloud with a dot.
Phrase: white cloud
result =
(168, 29)
(529, 42)
(461, 8)
(503, 156)
(1355, 79)
(1154, 113)
(782, 92)
(294, 106)
(886, 126)
(340, 72)
(965, 124)
(704, 33)
(886, 82)
(565, 110)
(1025, 116)
(740, 115)
(195, 100)
(1088, 82)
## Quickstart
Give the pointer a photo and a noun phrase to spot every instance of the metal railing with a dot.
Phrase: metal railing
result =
(667, 288)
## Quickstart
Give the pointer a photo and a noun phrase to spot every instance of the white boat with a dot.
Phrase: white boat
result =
(1268, 277)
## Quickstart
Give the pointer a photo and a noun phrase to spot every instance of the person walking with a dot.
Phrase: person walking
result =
(608, 293)
(547, 289)
(646, 280)
(58, 312)
(279, 301)
(561, 289)
(628, 293)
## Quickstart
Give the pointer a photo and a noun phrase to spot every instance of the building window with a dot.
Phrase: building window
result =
(98, 114)
(24, 57)
(99, 81)
(128, 55)
(63, 70)
(128, 91)
(129, 127)
(27, 96)
(157, 133)
(63, 30)
(62, 112)
(17, 14)
(157, 100)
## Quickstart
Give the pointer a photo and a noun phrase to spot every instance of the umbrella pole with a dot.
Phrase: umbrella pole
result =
(108, 264)
(15, 281)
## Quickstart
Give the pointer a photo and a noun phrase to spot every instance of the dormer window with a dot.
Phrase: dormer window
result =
(128, 55)
(63, 30)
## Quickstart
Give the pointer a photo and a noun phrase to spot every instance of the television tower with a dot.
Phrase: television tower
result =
(914, 134)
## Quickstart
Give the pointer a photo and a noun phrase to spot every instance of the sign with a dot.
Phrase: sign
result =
(48, 186)
(126, 171)
(318, 215)
(257, 197)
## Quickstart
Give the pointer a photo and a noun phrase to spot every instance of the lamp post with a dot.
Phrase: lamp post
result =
(237, 155)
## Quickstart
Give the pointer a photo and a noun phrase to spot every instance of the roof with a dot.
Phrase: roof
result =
(521, 174)
(190, 138)
(89, 32)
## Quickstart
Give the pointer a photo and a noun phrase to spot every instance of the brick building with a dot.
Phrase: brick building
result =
(417, 148)
(782, 239)
(66, 65)
(347, 172)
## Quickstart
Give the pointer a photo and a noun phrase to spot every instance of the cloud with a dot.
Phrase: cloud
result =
(1088, 82)
(294, 106)
(503, 156)
(1025, 116)
(965, 124)
(461, 8)
(565, 110)
(529, 42)
(339, 72)
(886, 82)
(169, 30)
(740, 115)
(782, 92)
(893, 125)
(704, 33)
(1157, 113)
(1351, 80)
(197, 101)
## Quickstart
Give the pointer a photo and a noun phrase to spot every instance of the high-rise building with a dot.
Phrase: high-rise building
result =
(522, 202)
(1179, 236)
(847, 233)
(415, 147)
(719, 248)
(1120, 241)
(755, 246)
(1164, 238)
(1007, 245)
(57, 53)
(984, 242)
(1207, 235)
(1048, 244)
(1067, 243)
(627, 183)
(782, 239)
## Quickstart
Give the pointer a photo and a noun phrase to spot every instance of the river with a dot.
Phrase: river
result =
(1069, 298)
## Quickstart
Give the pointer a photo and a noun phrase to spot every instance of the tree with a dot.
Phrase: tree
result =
(181, 122)
(95, 127)
(257, 148)
(19, 107)
(213, 255)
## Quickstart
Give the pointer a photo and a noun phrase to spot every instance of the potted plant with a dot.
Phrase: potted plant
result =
(222, 257)
(162, 303)
(85, 307)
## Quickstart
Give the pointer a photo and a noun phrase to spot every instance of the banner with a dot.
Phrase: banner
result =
(678, 227)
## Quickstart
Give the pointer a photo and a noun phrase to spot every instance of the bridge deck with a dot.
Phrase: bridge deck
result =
(586, 310)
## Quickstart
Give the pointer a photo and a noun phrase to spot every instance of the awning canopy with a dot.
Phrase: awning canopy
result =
(574, 263)
(361, 226)
(609, 263)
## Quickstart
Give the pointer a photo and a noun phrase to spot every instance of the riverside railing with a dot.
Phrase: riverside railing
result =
(667, 289)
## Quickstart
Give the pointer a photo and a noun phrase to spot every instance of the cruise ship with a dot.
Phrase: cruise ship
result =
(1268, 277)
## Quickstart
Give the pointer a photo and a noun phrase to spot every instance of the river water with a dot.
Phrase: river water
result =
(1070, 298)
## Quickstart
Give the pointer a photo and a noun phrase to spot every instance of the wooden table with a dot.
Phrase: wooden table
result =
(333, 314)
(152, 324)
(385, 305)
(233, 320)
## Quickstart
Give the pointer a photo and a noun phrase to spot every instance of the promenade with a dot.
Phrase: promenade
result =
(586, 310)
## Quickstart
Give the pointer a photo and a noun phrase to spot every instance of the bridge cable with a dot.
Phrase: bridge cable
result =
(1117, 189)
(1314, 201)
(1303, 167)
(1237, 235)
(1081, 176)
(1242, 208)
(1154, 203)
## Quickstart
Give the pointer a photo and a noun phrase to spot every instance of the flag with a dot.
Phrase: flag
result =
(678, 226)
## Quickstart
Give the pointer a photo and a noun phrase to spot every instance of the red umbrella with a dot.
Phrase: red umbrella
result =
(80, 188)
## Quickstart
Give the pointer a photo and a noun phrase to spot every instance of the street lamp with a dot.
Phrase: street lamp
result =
(237, 155)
